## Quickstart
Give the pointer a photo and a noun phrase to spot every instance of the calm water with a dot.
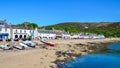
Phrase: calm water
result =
(110, 58)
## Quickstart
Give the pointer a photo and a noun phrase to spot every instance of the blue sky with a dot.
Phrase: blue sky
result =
(48, 12)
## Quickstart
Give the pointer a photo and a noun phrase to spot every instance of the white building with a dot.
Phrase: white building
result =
(14, 31)
(52, 34)
(74, 36)
(48, 34)
(4, 31)
(66, 35)
(20, 32)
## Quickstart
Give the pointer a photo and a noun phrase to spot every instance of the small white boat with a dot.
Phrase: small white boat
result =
(30, 44)
(19, 47)
(33, 43)
(6, 47)
(22, 44)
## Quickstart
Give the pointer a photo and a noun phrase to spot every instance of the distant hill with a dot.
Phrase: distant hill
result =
(109, 29)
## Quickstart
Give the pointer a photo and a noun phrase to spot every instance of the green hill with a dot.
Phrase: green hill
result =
(109, 29)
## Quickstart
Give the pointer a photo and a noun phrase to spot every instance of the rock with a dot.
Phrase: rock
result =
(51, 66)
(90, 51)
(69, 45)
(61, 58)
(59, 62)
(73, 57)
(84, 53)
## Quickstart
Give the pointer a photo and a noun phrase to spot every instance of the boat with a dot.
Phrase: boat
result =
(48, 43)
(18, 47)
(30, 44)
(6, 47)
(22, 44)
(33, 43)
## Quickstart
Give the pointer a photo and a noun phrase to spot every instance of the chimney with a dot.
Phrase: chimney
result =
(5, 20)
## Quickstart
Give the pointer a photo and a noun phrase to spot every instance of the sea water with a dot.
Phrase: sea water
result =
(109, 58)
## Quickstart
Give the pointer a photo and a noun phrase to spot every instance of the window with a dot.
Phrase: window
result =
(16, 31)
(30, 31)
(24, 31)
(2, 24)
(5, 29)
(20, 31)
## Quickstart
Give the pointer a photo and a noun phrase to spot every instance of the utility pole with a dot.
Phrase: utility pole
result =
(11, 31)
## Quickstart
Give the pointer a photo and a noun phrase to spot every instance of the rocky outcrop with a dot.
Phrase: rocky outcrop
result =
(77, 50)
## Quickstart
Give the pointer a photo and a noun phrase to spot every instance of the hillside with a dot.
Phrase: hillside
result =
(109, 29)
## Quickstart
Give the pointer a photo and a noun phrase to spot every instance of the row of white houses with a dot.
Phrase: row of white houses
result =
(13, 31)
(24, 33)
(21, 32)
(16, 33)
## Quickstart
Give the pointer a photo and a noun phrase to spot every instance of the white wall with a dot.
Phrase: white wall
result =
(66, 36)
(5, 30)
(47, 35)
(22, 32)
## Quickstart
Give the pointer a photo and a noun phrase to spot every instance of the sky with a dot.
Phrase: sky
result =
(49, 12)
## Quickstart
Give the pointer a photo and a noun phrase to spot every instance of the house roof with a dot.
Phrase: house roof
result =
(17, 27)
(4, 22)
(52, 31)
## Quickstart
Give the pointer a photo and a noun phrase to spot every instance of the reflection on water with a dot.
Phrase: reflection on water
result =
(109, 58)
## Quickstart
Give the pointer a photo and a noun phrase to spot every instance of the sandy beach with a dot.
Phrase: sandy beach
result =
(44, 56)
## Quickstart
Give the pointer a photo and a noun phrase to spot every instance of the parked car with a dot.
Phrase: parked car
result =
(16, 39)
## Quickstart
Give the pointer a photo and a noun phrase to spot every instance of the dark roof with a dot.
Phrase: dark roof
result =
(52, 31)
(17, 27)
(46, 31)
(13, 26)
(4, 22)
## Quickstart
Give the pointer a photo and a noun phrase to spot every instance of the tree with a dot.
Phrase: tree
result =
(28, 25)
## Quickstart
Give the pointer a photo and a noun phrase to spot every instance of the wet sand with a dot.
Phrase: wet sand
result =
(43, 56)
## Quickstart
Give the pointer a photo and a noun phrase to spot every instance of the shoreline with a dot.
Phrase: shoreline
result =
(51, 57)
(83, 49)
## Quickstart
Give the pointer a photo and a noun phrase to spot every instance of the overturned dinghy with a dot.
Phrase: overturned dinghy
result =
(30, 44)
(6, 47)
(19, 47)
